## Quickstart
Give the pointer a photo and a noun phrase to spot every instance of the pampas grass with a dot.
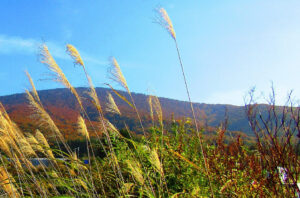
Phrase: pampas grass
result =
(43, 141)
(7, 183)
(34, 92)
(34, 143)
(93, 94)
(151, 108)
(154, 159)
(155, 105)
(105, 125)
(26, 148)
(4, 146)
(111, 105)
(75, 55)
(166, 23)
(117, 75)
(120, 165)
(82, 129)
(47, 59)
(136, 171)
(43, 118)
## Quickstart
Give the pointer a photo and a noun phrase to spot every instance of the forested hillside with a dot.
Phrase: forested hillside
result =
(63, 108)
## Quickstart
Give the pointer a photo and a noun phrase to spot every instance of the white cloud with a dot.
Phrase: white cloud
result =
(10, 45)
(18, 45)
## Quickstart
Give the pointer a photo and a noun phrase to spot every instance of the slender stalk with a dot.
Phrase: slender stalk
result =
(94, 96)
(194, 118)
(165, 21)
(117, 76)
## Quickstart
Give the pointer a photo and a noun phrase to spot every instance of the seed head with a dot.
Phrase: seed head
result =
(117, 75)
(82, 129)
(34, 143)
(34, 92)
(73, 52)
(150, 107)
(6, 182)
(47, 59)
(111, 105)
(43, 141)
(154, 159)
(165, 21)
(135, 170)
(155, 104)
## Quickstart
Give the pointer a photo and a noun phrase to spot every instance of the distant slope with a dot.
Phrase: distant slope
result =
(64, 110)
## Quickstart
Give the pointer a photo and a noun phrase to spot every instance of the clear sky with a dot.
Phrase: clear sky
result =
(227, 46)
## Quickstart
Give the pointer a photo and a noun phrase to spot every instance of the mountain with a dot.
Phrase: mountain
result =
(63, 108)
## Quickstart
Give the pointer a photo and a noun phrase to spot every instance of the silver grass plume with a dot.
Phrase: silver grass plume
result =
(34, 92)
(43, 117)
(157, 108)
(82, 129)
(117, 75)
(111, 105)
(59, 76)
(151, 108)
(73, 52)
(7, 183)
(165, 21)
(34, 143)
(43, 141)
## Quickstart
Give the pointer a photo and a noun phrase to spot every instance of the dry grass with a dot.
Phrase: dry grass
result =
(117, 75)
(42, 117)
(59, 76)
(111, 105)
(34, 92)
(165, 21)
(75, 55)
(7, 183)
(43, 142)
(82, 129)
(157, 164)
(135, 169)
(155, 105)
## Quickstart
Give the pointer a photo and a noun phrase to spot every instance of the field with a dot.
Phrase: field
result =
(168, 159)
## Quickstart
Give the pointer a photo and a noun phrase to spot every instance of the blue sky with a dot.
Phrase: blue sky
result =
(227, 46)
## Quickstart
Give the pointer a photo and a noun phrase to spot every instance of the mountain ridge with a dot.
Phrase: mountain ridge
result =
(62, 106)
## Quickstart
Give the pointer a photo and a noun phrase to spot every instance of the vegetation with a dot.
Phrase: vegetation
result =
(166, 160)
(61, 105)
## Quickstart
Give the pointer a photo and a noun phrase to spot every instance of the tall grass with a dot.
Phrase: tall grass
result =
(166, 23)
(163, 162)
